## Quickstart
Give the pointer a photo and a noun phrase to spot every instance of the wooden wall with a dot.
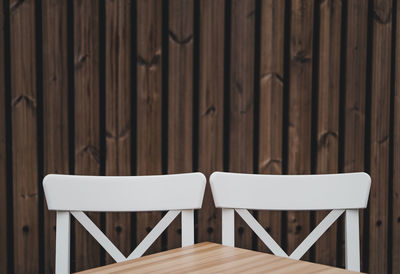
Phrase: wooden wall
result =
(123, 87)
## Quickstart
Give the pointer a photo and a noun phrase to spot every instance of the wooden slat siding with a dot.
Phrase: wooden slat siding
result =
(180, 97)
(3, 159)
(241, 108)
(328, 114)
(149, 108)
(396, 156)
(271, 104)
(355, 92)
(380, 127)
(23, 113)
(55, 110)
(118, 112)
(87, 112)
(300, 94)
(24, 134)
(211, 114)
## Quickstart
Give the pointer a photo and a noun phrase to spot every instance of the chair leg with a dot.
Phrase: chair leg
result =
(187, 227)
(228, 227)
(63, 242)
(352, 240)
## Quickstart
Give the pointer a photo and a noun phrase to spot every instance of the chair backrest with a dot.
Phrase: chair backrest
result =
(73, 194)
(345, 192)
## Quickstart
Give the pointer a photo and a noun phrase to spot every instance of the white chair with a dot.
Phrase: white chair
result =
(346, 192)
(71, 194)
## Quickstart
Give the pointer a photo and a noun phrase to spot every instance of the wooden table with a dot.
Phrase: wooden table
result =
(214, 258)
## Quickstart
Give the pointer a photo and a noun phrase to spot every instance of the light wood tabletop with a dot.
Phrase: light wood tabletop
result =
(214, 258)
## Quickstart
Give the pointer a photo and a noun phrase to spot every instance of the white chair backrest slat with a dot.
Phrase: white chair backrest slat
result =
(124, 193)
(340, 193)
(290, 192)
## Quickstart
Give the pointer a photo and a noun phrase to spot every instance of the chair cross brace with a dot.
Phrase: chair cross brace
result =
(111, 249)
(303, 247)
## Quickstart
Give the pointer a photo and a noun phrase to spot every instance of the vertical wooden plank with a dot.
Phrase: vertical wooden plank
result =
(241, 105)
(149, 108)
(3, 159)
(211, 112)
(355, 79)
(300, 94)
(180, 96)
(24, 134)
(355, 87)
(55, 109)
(328, 114)
(271, 104)
(380, 126)
(87, 111)
(396, 156)
(118, 112)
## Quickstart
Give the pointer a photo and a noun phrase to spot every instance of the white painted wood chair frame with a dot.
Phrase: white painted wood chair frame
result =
(72, 194)
(346, 192)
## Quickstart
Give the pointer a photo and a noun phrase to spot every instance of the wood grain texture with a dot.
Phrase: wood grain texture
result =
(300, 95)
(214, 258)
(355, 92)
(75, 65)
(149, 108)
(328, 114)
(118, 112)
(180, 97)
(87, 116)
(211, 110)
(396, 156)
(55, 110)
(241, 101)
(379, 130)
(271, 104)
(3, 157)
(24, 137)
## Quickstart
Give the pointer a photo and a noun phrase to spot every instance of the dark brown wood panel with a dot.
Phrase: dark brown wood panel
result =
(211, 110)
(355, 92)
(353, 100)
(55, 110)
(118, 111)
(355, 85)
(300, 105)
(379, 130)
(149, 107)
(3, 159)
(180, 96)
(24, 134)
(396, 157)
(87, 117)
(330, 13)
(211, 106)
(271, 104)
(241, 101)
